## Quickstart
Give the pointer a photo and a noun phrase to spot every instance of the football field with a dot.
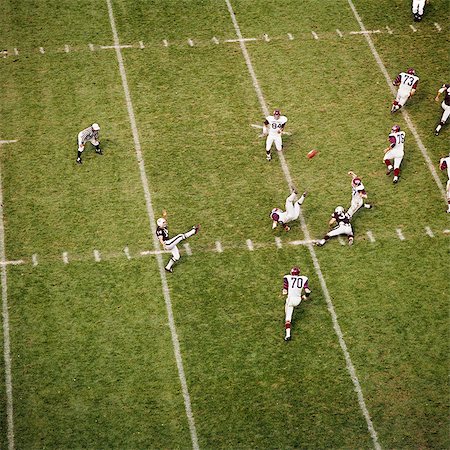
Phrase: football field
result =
(102, 348)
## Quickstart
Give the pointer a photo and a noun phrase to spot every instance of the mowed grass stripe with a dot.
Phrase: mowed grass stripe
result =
(312, 252)
(151, 217)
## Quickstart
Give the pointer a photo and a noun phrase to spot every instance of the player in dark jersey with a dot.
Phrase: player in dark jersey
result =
(343, 226)
(445, 106)
(171, 243)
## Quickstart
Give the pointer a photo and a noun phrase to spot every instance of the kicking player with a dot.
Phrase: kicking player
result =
(272, 128)
(394, 152)
(171, 243)
(343, 226)
(358, 195)
(89, 134)
(445, 106)
(293, 286)
(292, 212)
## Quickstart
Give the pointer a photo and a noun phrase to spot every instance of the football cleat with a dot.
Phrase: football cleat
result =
(389, 170)
(293, 190)
(395, 180)
(436, 132)
(350, 240)
(287, 338)
(319, 243)
(395, 128)
(196, 228)
(168, 270)
(98, 151)
(269, 157)
(295, 270)
(79, 161)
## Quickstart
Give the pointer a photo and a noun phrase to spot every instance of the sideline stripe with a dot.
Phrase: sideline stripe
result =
(6, 338)
(151, 218)
(336, 326)
(394, 93)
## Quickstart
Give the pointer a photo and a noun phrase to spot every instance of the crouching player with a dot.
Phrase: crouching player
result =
(342, 219)
(293, 286)
(171, 243)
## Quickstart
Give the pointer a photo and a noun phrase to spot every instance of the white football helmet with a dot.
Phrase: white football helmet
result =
(339, 210)
(95, 126)
(161, 222)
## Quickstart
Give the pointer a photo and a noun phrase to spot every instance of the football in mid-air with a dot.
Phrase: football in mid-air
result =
(312, 153)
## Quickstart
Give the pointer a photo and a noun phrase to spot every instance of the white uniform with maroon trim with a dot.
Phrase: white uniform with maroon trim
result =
(406, 83)
(275, 127)
(397, 151)
(357, 200)
(446, 102)
(294, 284)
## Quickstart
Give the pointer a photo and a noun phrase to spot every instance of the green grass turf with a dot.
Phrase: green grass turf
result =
(106, 322)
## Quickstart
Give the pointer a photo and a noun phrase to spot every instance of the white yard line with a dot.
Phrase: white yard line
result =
(315, 35)
(413, 28)
(15, 262)
(126, 250)
(188, 249)
(6, 338)
(215, 40)
(107, 47)
(290, 36)
(91, 47)
(141, 45)
(438, 27)
(16, 52)
(41, 50)
(429, 232)
(65, 258)
(370, 236)
(190, 42)
(394, 93)
(278, 242)
(389, 30)
(219, 248)
(336, 326)
(266, 37)
(34, 258)
(97, 256)
(8, 142)
(339, 33)
(241, 40)
(165, 43)
(156, 244)
(249, 245)
(66, 48)
(400, 234)
(365, 32)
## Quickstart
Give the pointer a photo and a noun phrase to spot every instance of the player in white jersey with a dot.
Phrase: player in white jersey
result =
(89, 134)
(394, 152)
(280, 217)
(293, 286)
(407, 85)
(445, 106)
(272, 128)
(418, 9)
(359, 194)
(341, 222)
(171, 243)
(444, 163)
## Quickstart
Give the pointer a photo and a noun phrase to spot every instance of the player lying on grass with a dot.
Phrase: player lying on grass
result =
(293, 286)
(343, 226)
(292, 204)
(359, 194)
(171, 243)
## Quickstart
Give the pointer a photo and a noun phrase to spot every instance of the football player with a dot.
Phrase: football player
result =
(407, 85)
(395, 151)
(445, 106)
(343, 226)
(417, 9)
(293, 286)
(292, 212)
(444, 163)
(272, 128)
(358, 195)
(171, 243)
(89, 134)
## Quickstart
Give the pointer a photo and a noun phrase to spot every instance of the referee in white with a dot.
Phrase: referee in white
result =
(89, 134)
